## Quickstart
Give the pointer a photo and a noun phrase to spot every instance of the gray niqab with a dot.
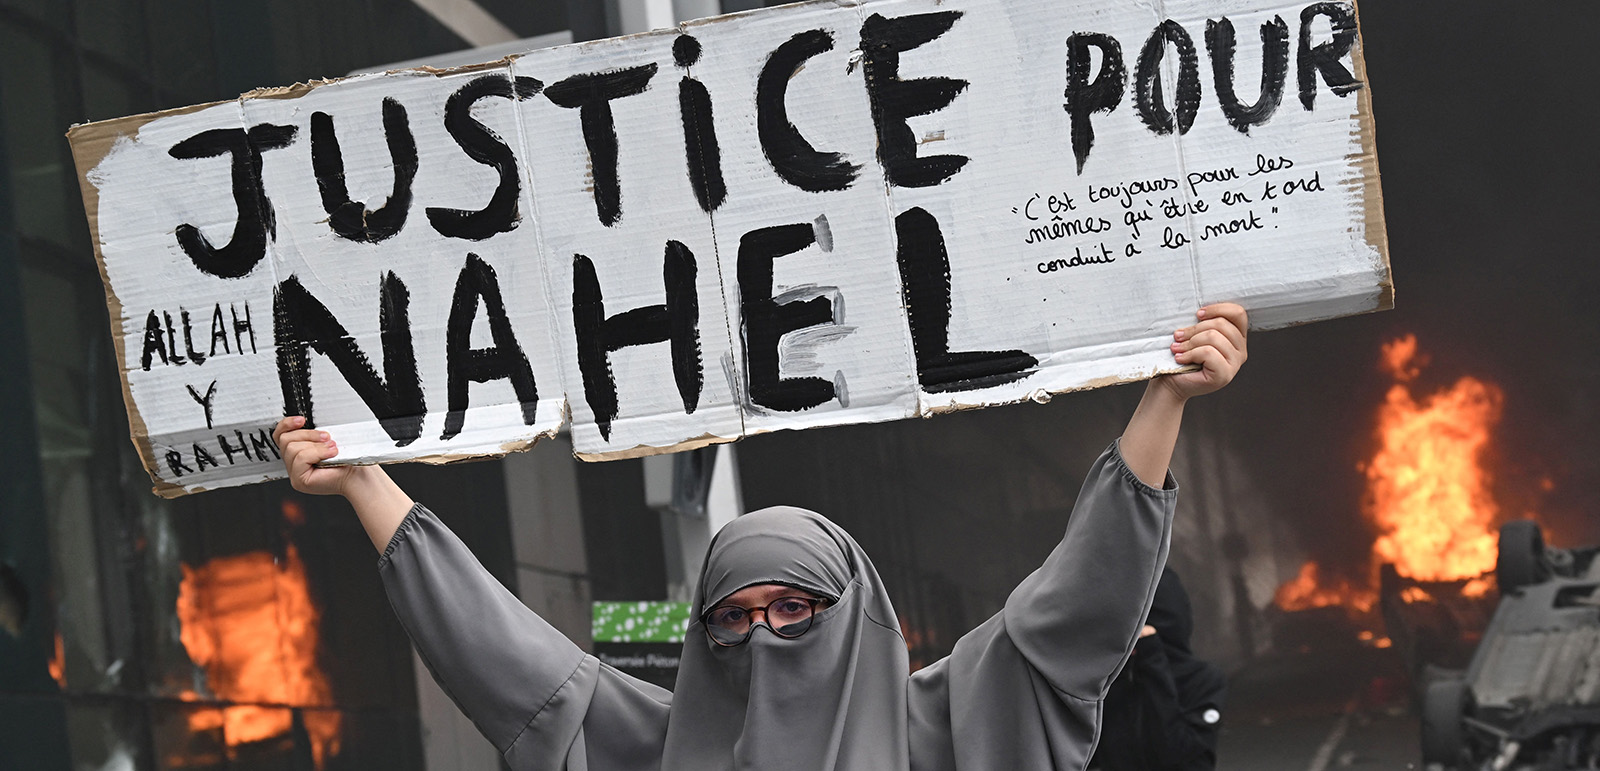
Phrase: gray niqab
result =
(834, 698)
(1019, 693)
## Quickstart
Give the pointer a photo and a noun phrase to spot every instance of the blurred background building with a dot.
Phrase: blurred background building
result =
(246, 628)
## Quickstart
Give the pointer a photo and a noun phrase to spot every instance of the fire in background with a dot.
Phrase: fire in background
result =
(248, 620)
(1427, 493)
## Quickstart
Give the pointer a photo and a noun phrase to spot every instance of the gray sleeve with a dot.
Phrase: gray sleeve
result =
(1076, 618)
(928, 718)
(497, 660)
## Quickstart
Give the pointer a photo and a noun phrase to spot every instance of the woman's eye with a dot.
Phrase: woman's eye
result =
(728, 616)
(791, 607)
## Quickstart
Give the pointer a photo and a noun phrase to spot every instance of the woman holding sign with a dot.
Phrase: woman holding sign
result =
(795, 659)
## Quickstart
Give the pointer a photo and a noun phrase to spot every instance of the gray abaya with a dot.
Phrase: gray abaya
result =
(1021, 692)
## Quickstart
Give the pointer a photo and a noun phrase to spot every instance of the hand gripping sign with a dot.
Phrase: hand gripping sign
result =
(833, 212)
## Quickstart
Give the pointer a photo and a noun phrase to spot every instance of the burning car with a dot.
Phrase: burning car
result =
(1530, 697)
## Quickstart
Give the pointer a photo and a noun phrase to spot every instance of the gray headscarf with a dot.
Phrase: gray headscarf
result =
(834, 698)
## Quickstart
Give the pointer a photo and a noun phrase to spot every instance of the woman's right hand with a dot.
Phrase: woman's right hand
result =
(302, 449)
(380, 504)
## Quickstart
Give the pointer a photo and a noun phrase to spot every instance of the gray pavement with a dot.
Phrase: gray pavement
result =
(1341, 706)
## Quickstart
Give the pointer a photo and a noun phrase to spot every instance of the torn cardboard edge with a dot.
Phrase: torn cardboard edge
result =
(85, 162)
(1372, 193)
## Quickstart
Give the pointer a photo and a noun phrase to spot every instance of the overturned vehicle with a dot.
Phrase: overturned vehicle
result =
(1529, 700)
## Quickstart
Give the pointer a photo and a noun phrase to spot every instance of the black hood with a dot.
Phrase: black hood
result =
(1171, 615)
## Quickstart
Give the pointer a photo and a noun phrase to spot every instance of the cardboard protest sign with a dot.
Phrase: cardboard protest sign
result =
(828, 213)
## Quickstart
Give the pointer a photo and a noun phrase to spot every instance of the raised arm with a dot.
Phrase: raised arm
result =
(1216, 343)
(1076, 617)
(526, 686)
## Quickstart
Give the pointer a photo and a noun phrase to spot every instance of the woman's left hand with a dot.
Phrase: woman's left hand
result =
(1217, 342)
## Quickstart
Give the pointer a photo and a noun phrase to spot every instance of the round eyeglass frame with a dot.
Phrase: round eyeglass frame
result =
(783, 631)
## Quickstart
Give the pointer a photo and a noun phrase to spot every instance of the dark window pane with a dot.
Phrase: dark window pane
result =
(55, 331)
(114, 28)
(246, 52)
(183, 61)
(108, 94)
(378, 739)
(528, 19)
(408, 32)
(31, 95)
(51, 12)
(33, 731)
(311, 39)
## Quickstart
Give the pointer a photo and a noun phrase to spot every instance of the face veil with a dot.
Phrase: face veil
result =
(834, 698)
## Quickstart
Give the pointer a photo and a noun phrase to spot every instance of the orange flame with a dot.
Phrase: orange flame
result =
(248, 620)
(1311, 590)
(1427, 492)
(1477, 587)
(1401, 360)
(58, 662)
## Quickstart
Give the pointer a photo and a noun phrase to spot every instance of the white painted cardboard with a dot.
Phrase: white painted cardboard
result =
(1069, 277)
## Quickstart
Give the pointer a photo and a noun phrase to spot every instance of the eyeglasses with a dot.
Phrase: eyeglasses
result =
(787, 617)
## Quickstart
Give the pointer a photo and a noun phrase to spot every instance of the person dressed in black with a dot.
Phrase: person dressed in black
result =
(1163, 711)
